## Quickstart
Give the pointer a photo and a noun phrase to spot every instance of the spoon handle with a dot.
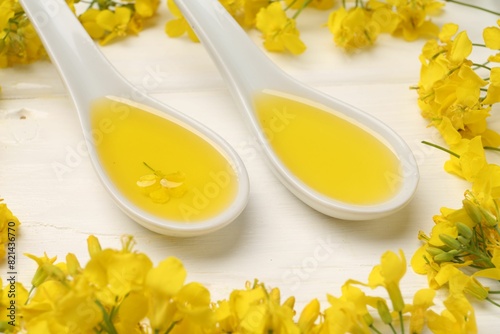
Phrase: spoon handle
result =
(83, 68)
(240, 60)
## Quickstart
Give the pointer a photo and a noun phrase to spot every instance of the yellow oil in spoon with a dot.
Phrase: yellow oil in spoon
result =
(129, 138)
(330, 154)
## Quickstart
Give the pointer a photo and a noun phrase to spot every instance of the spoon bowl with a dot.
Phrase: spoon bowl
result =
(250, 74)
(118, 120)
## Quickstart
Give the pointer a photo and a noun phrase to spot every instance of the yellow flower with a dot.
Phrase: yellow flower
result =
(162, 284)
(491, 36)
(131, 312)
(256, 310)
(146, 8)
(115, 23)
(13, 296)
(413, 18)
(348, 313)
(471, 162)
(46, 270)
(88, 20)
(448, 30)
(353, 29)
(309, 315)
(448, 131)
(250, 10)
(458, 317)
(459, 283)
(193, 309)
(160, 187)
(388, 274)
(422, 301)
(457, 97)
(58, 307)
(244, 11)
(279, 31)
(422, 263)
(493, 93)
(383, 17)
(7, 12)
(486, 187)
(9, 228)
(116, 273)
(461, 48)
(178, 26)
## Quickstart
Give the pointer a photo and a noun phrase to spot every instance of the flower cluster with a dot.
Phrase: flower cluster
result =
(278, 30)
(161, 187)
(456, 95)
(353, 27)
(468, 237)
(107, 20)
(360, 25)
(104, 20)
(121, 291)
(19, 43)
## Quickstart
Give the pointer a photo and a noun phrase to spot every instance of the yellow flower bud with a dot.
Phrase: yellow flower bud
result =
(290, 302)
(490, 219)
(309, 315)
(383, 311)
(472, 210)
(464, 230)
(434, 251)
(39, 277)
(73, 265)
(443, 257)
(368, 319)
(93, 246)
(463, 241)
(449, 241)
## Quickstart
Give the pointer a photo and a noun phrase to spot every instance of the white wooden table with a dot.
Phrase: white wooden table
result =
(277, 239)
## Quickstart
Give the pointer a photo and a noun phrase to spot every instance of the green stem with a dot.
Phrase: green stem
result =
(373, 328)
(480, 241)
(473, 6)
(492, 148)
(482, 66)
(482, 258)
(401, 322)
(108, 323)
(492, 301)
(290, 5)
(172, 325)
(393, 329)
(304, 5)
(155, 172)
(148, 166)
(441, 148)
(29, 295)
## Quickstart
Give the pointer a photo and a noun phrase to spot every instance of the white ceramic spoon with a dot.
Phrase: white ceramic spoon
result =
(249, 71)
(88, 77)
